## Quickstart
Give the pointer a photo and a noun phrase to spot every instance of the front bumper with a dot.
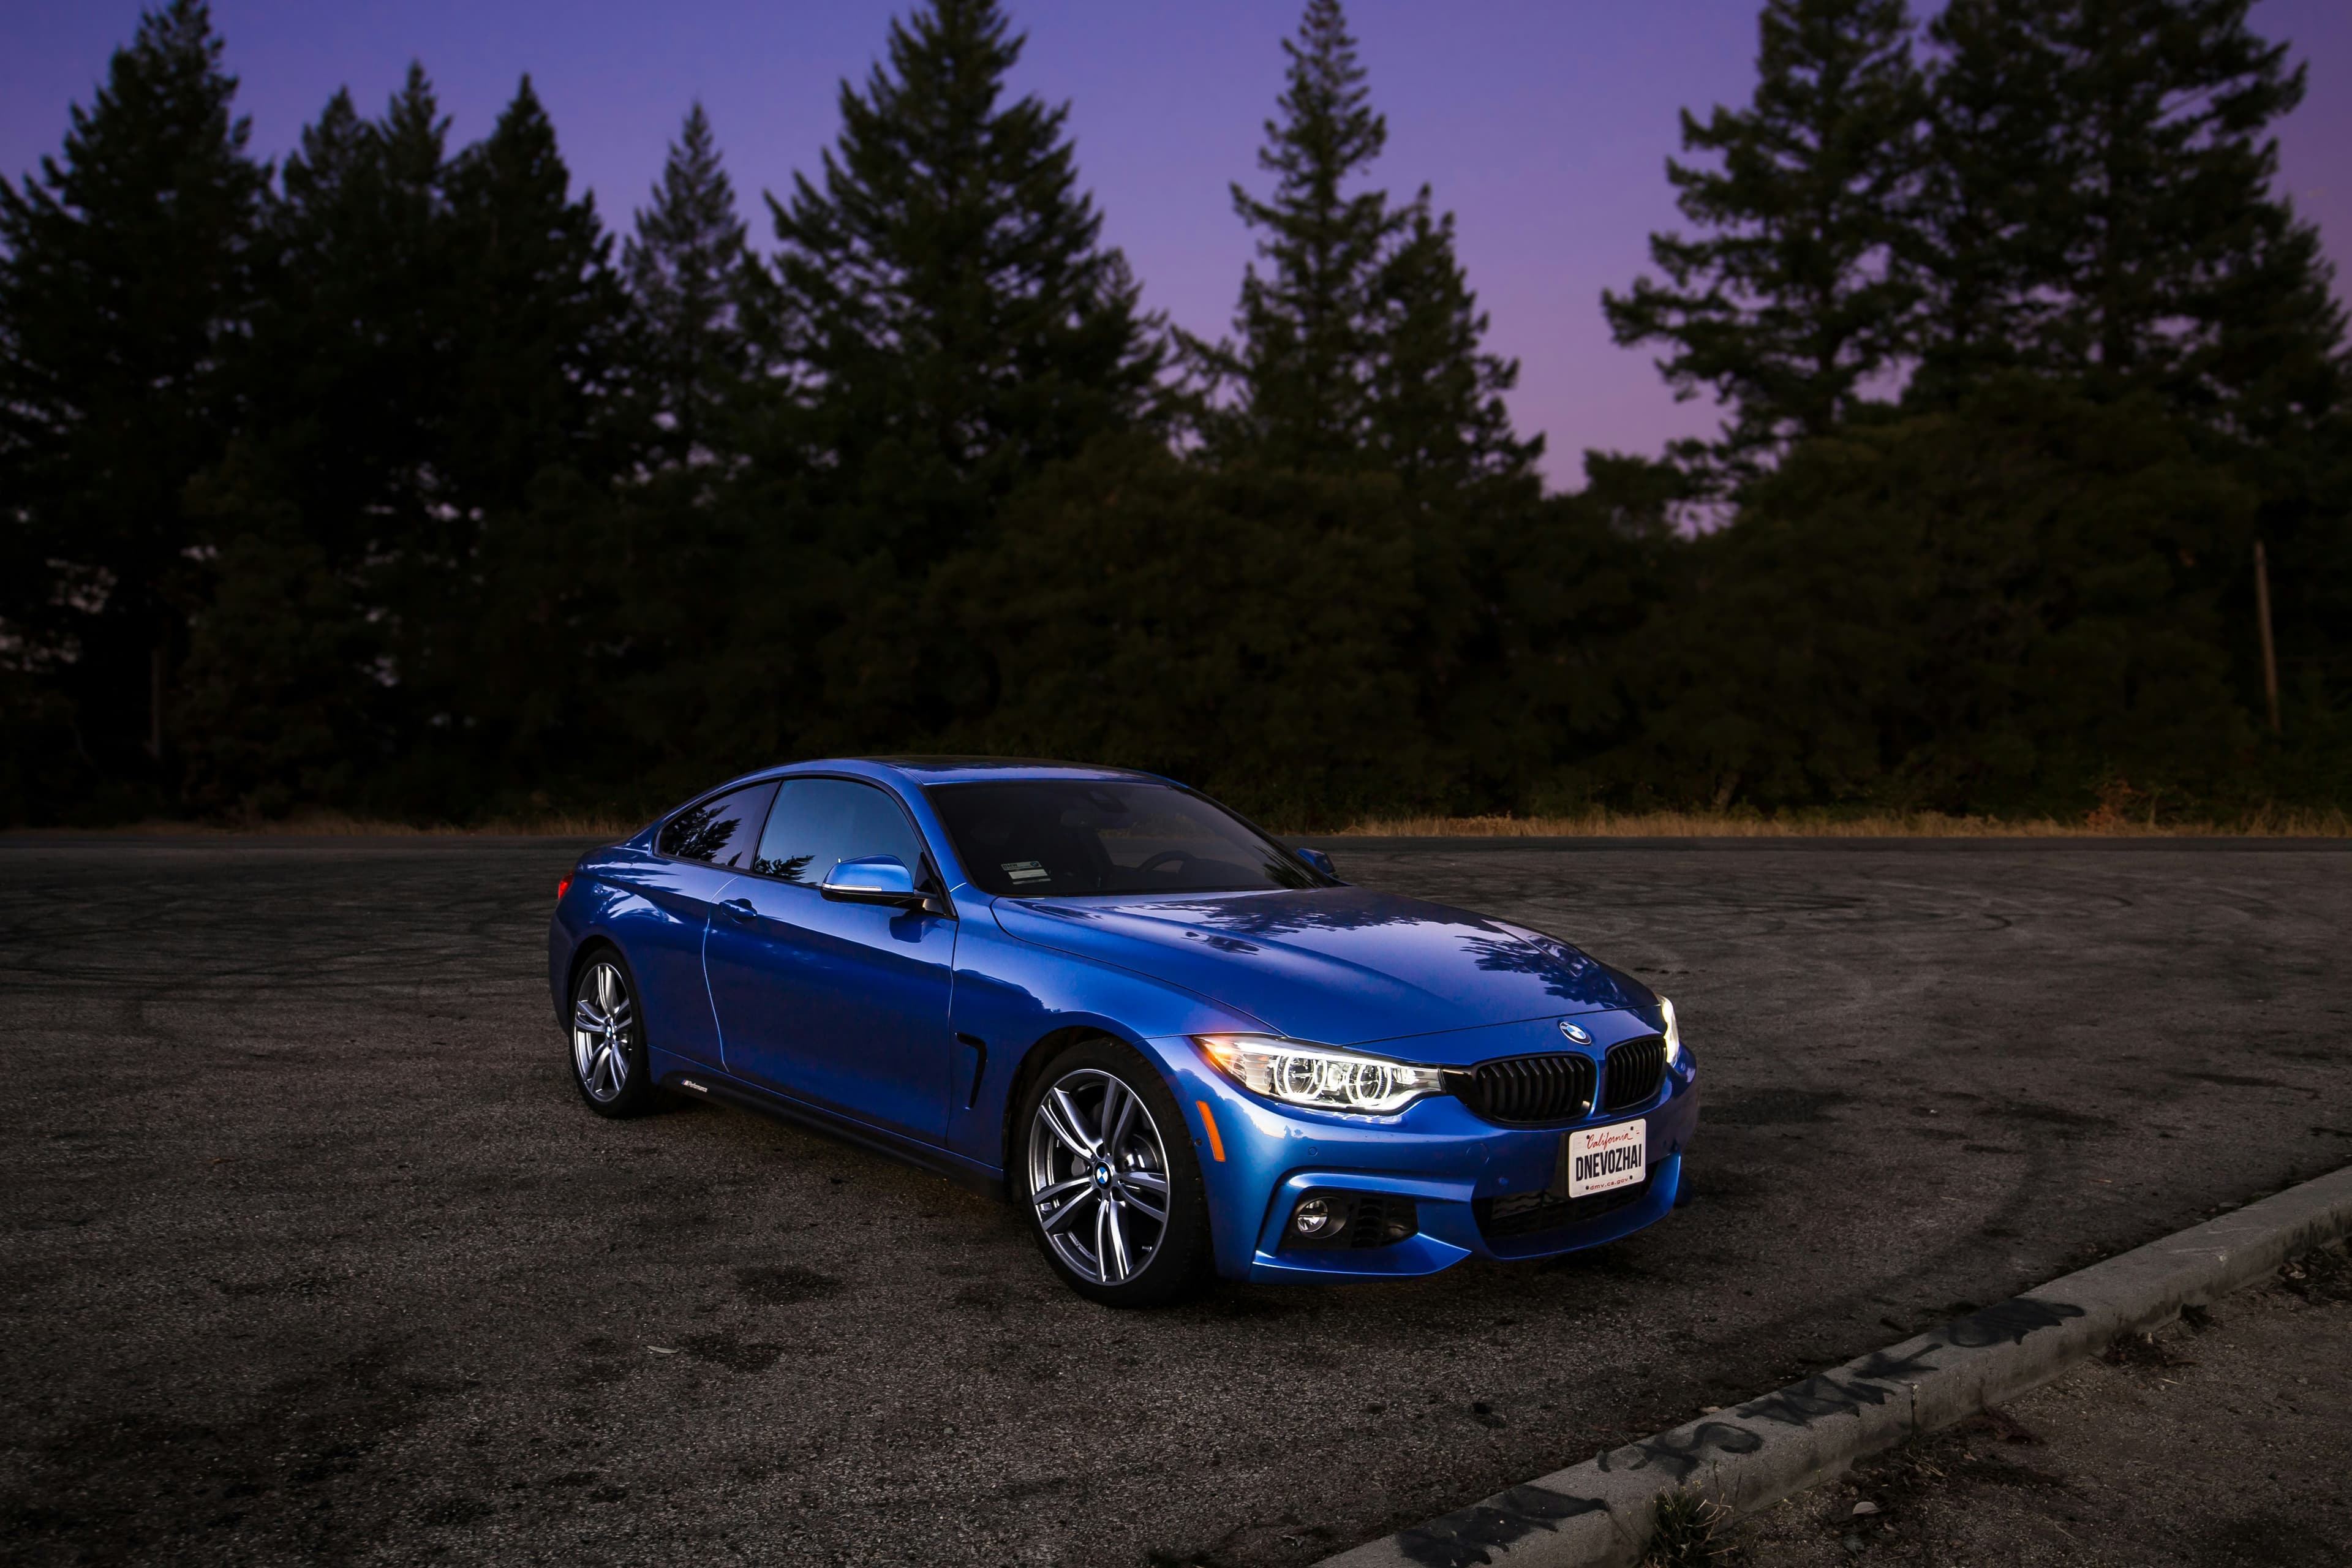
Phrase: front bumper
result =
(1262, 1158)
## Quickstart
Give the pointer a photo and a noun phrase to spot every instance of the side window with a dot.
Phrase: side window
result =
(720, 831)
(820, 823)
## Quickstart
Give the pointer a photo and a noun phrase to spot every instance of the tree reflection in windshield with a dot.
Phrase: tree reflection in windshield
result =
(1030, 839)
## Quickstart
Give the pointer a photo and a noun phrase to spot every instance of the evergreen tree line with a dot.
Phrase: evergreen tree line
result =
(383, 479)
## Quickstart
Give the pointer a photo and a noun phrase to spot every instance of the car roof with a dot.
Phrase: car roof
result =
(917, 771)
(974, 770)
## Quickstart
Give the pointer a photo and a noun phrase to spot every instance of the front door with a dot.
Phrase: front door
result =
(842, 1004)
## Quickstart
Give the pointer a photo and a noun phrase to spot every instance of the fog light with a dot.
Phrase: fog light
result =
(1328, 1216)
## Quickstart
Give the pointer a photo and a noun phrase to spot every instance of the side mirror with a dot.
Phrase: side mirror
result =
(1320, 861)
(875, 879)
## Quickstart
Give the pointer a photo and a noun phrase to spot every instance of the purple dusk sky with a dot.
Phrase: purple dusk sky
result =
(1544, 125)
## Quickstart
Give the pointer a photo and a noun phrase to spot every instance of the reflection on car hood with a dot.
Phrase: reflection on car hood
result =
(1339, 966)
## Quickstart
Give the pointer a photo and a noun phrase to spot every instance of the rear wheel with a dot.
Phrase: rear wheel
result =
(608, 1039)
(1109, 1181)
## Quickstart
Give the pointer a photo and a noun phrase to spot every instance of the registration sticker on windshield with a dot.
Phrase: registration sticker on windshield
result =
(1602, 1158)
(1026, 870)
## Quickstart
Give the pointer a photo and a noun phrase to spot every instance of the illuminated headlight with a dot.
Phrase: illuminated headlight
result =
(1674, 1033)
(1319, 1076)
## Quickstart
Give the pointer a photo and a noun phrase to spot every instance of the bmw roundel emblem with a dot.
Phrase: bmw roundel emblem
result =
(1574, 1033)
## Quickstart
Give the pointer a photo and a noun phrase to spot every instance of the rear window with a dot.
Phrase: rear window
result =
(720, 831)
(1047, 837)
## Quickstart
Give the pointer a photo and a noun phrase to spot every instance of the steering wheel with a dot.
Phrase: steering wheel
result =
(1166, 857)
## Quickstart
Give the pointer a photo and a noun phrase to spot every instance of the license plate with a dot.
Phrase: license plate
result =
(1602, 1158)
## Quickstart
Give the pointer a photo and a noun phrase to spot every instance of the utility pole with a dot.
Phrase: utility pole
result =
(2270, 649)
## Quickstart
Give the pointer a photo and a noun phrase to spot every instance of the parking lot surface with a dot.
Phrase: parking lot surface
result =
(309, 1252)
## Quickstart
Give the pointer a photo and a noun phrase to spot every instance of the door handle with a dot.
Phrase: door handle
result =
(740, 909)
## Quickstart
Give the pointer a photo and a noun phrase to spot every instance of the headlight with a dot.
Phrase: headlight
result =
(1674, 1033)
(1319, 1076)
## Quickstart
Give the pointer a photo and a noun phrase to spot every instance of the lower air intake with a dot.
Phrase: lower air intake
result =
(1530, 1214)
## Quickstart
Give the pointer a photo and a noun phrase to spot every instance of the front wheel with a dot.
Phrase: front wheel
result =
(608, 1039)
(1111, 1183)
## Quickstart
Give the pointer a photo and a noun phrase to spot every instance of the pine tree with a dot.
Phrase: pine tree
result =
(1436, 407)
(1301, 370)
(2103, 172)
(1989, 226)
(331, 483)
(688, 272)
(406, 320)
(954, 313)
(685, 547)
(1357, 353)
(541, 312)
(2103, 211)
(123, 283)
(1359, 344)
(497, 590)
(354, 338)
(1798, 294)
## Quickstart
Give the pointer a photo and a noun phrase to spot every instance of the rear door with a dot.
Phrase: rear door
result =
(702, 848)
(844, 1006)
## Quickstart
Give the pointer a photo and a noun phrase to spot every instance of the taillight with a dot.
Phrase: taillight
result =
(563, 887)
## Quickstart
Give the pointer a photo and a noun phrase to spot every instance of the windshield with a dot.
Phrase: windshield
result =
(1046, 837)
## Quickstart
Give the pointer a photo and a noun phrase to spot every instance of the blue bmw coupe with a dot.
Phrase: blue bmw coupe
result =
(1180, 1047)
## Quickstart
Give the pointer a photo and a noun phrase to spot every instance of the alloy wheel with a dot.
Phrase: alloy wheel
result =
(603, 1018)
(1098, 1176)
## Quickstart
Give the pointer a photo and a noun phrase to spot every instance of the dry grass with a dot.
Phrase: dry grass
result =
(2266, 824)
(2104, 823)
(335, 825)
(1686, 1531)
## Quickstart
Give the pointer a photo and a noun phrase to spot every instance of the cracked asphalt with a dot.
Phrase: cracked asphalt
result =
(308, 1252)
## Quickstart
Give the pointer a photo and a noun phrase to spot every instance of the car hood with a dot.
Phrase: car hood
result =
(1339, 966)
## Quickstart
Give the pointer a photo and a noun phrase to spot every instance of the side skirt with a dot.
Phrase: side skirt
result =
(699, 1082)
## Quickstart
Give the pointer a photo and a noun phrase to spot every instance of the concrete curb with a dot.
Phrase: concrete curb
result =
(1598, 1513)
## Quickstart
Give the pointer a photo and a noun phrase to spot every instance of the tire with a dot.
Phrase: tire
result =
(607, 1037)
(1099, 1234)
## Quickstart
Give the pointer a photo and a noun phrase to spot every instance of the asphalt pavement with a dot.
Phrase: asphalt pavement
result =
(307, 1251)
